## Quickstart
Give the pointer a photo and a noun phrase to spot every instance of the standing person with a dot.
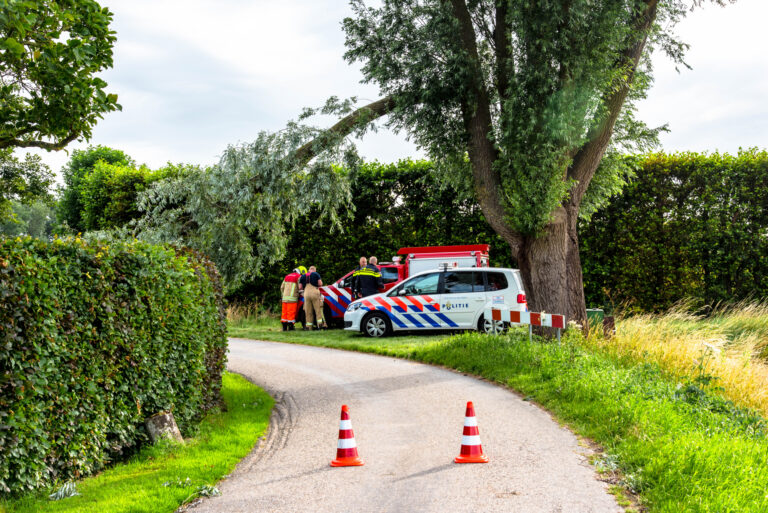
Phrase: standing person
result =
(289, 292)
(367, 279)
(356, 275)
(313, 299)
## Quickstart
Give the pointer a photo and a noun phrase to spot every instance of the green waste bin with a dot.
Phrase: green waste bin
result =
(595, 317)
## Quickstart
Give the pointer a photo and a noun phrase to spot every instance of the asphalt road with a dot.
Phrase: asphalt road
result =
(408, 420)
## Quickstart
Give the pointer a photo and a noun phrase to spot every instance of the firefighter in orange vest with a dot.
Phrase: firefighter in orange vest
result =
(289, 290)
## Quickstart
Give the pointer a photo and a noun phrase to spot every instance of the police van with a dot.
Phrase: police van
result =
(446, 299)
(409, 261)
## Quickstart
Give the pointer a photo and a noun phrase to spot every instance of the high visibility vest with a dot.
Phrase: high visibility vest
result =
(290, 288)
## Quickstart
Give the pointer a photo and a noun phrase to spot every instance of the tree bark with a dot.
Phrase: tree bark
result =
(50, 146)
(577, 309)
(588, 158)
(542, 262)
(482, 153)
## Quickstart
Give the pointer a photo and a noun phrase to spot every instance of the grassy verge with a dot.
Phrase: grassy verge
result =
(677, 443)
(729, 347)
(161, 477)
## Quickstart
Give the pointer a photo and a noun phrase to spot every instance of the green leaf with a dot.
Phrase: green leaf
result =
(14, 46)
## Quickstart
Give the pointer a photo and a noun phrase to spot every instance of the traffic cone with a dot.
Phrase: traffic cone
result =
(471, 448)
(346, 451)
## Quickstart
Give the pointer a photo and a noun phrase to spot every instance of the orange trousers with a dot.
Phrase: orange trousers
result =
(289, 312)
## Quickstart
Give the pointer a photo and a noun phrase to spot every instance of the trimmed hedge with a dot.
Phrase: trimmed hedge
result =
(689, 225)
(94, 339)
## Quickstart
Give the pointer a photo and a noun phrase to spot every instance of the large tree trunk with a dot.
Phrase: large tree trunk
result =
(542, 262)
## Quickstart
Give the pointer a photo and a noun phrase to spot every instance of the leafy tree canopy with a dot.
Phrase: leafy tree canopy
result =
(22, 181)
(544, 72)
(35, 219)
(109, 193)
(50, 54)
(70, 207)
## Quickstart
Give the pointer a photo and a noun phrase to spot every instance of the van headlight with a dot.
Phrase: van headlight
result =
(354, 306)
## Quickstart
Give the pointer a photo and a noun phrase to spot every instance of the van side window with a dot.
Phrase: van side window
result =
(346, 282)
(457, 282)
(389, 274)
(496, 281)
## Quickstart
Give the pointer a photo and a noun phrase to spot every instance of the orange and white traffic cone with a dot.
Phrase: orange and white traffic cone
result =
(471, 448)
(346, 451)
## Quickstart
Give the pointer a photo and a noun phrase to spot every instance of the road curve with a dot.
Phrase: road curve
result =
(408, 420)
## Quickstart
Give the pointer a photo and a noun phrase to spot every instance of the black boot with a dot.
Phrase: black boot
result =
(285, 326)
(291, 326)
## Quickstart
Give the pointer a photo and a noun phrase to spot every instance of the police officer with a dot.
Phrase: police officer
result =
(366, 280)
(356, 275)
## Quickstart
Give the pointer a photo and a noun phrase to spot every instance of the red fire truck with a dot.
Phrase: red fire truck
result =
(408, 261)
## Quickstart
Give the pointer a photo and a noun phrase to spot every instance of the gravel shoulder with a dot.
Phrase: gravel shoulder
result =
(408, 420)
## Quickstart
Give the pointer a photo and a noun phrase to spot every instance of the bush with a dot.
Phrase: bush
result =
(94, 339)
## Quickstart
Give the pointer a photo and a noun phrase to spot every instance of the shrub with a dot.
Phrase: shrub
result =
(94, 338)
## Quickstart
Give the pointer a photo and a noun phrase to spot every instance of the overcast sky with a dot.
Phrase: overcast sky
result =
(195, 75)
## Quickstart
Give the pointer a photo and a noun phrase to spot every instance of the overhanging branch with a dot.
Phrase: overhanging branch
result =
(51, 146)
(344, 127)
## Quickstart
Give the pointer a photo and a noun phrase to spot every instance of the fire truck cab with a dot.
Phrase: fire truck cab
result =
(409, 261)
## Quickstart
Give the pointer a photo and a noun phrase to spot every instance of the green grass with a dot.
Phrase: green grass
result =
(676, 443)
(137, 486)
(266, 328)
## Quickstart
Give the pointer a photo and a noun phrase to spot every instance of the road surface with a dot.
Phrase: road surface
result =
(408, 420)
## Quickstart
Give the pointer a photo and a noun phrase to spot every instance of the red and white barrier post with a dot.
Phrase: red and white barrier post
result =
(531, 318)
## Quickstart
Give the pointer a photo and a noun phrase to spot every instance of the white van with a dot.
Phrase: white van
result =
(450, 299)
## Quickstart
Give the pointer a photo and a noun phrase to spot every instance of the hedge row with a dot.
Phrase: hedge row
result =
(94, 339)
(689, 225)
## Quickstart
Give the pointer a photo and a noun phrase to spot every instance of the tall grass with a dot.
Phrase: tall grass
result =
(728, 347)
(240, 313)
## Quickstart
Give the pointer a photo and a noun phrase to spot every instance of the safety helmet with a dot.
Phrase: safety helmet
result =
(301, 270)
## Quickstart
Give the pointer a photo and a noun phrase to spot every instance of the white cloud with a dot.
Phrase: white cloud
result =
(196, 75)
(721, 103)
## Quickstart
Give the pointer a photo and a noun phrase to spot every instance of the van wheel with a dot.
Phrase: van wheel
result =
(376, 325)
(490, 326)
